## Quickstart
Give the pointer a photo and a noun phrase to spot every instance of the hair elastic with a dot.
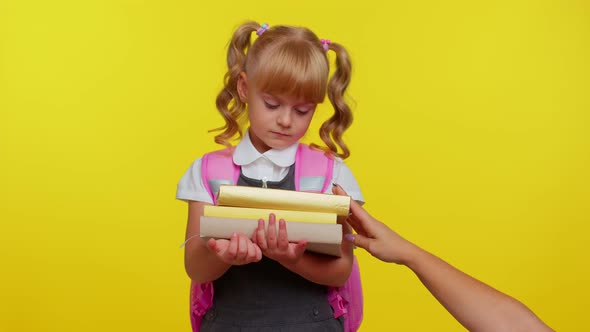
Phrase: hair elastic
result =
(326, 44)
(262, 28)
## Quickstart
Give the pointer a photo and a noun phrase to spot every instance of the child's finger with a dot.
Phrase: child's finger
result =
(242, 247)
(259, 226)
(212, 245)
(261, 235)
(258, 254)
(271, 233)
(251, 252)
(300, 248)
(232, 250)
(283, 241)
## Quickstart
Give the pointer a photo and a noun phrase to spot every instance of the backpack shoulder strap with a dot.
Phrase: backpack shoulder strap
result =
(313, 169)
(313, 172)
(218, 168)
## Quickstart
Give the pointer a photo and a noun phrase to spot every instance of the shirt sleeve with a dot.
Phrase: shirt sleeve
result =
(343, 177)
(190, 187)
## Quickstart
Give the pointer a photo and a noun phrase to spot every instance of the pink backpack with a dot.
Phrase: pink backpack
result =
(313, 173)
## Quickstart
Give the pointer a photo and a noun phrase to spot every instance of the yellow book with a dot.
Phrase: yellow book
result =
(250, 213)
(263, 198)
(321, 238)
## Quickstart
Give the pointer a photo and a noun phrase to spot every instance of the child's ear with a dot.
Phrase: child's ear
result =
(243, 87)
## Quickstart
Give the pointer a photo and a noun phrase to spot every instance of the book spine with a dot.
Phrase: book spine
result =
(251, 213)
(253, 197)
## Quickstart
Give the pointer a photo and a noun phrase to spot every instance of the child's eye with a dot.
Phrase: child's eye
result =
(271, 106)
(301, 112)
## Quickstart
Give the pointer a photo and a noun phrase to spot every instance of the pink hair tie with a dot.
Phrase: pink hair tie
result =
(326, 44)
(263, 28)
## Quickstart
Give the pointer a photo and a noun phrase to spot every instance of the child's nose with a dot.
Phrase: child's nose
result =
(284, 118)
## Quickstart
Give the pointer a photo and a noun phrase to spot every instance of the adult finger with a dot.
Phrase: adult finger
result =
(356, 225)
(365, 221)
(360, 241)
(337, 190)
(358, 211)
(358, 215)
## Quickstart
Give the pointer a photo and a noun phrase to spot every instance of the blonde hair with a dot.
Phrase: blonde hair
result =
(286, 60)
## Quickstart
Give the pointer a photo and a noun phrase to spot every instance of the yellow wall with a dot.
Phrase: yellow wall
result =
(470, 138)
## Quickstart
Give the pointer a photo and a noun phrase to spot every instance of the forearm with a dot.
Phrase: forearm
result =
(201, 264)
(323, 269)
(474, 304)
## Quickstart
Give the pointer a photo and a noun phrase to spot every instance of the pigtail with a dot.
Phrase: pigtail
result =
(331, 131)
(228, 101)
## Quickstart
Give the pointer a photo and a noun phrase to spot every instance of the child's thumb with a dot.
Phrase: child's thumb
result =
(358, 240)
(212, 245)
(300, 248)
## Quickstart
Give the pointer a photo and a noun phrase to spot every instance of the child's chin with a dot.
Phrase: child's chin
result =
(280, 146)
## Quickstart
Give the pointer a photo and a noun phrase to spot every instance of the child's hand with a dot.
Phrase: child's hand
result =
(277, 246)
(239, 250)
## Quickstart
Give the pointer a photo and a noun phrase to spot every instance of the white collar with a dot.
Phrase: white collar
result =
(245, 153)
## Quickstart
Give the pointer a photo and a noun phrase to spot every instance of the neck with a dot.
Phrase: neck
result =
(258, 143)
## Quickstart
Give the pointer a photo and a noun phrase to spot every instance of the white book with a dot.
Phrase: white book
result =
(321, 238)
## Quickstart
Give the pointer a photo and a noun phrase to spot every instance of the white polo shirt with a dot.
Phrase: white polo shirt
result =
(273, 165)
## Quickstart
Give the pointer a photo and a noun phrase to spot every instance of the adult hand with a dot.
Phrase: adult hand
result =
(374, 236)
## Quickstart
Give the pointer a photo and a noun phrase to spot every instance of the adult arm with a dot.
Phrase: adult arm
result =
(477, 306)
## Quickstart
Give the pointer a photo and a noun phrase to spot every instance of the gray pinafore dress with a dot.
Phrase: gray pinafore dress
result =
(265, 296)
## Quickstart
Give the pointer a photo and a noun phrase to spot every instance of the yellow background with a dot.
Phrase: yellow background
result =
(470, 138)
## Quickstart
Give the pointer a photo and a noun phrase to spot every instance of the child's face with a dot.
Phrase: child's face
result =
(276, 121)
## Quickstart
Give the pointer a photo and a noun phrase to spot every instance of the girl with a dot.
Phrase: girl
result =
(264, 282)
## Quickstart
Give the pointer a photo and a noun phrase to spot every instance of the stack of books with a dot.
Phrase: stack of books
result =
(309, 216)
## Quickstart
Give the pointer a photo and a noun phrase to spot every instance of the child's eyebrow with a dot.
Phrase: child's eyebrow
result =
(281, 100)
(305, 105)
(268, 95)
